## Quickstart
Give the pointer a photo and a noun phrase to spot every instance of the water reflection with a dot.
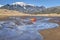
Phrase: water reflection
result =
(19, 29)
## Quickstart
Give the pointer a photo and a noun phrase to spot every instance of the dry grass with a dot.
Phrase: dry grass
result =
(5, 12)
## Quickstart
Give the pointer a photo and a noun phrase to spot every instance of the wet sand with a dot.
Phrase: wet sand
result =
(52, 34)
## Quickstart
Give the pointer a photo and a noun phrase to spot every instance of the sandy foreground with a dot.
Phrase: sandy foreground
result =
(51, 34)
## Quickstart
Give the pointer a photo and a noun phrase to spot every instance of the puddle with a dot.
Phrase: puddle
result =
(11, 31)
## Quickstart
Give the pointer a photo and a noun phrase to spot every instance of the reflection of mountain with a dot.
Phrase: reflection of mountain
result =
(29, 8)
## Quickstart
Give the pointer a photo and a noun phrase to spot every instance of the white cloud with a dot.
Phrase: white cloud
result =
(1, 5)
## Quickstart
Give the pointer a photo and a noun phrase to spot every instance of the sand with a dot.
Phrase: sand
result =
(51, 34)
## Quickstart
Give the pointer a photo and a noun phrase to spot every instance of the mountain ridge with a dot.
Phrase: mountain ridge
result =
(23, 7)
(26, 8)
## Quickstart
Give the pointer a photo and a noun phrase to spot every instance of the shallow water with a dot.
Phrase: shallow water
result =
(9, 30)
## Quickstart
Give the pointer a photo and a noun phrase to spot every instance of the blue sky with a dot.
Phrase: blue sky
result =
(47, 3)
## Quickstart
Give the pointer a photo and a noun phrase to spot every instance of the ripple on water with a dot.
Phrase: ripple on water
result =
(39, 26)
(11, 31)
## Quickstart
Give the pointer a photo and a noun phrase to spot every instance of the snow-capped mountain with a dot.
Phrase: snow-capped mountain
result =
(24, 7)
(21, 4)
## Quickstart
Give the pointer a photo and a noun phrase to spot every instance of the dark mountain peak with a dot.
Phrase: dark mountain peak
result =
(42, 7)
(7, 5)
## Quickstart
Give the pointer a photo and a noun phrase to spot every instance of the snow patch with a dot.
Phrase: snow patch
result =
(22, 4)
(24, 7)
(1, 5)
